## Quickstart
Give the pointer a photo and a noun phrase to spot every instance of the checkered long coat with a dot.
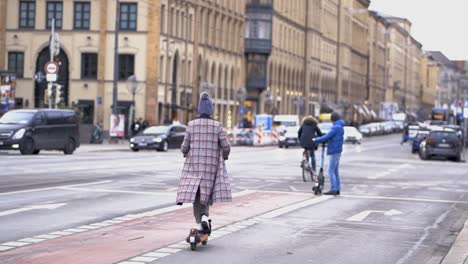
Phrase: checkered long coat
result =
(205, 147)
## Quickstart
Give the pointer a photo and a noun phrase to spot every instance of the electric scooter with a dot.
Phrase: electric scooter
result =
(198, 236)
(319, 184)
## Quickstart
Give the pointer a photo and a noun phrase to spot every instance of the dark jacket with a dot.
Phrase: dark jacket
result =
(307, 132)
(334, 138)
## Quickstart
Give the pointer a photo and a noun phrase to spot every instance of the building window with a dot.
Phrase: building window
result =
(126, 66)
(54, 11)
(128, 16)
(163, 19)
(16, 63)
(89, 66)
(82, 15)
(27, 15)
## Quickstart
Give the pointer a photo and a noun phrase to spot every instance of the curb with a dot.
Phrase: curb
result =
(458, 253)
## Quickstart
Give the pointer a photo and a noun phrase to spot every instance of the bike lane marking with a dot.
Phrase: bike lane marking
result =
(118, 239)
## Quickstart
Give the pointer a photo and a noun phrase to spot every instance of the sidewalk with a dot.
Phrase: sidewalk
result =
(458, 254)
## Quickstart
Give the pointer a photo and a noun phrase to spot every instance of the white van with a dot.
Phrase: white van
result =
(283, 121)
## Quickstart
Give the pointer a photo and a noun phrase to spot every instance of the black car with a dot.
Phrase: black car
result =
(443, 142)
(31, 131)
(160, 138)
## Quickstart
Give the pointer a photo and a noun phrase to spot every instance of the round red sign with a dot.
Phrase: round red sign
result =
(51, 67)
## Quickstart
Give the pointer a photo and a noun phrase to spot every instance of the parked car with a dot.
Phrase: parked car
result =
(420, 137)
(351, 134)
(365, 130)
(376, 129)
(289, 137)
(160, 138)
(31, 131)
(244, 137)
(442, 142)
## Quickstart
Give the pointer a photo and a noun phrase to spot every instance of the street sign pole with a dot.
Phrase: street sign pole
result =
(51, 50)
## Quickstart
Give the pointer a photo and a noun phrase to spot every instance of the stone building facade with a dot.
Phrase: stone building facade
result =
(170, 46)
(324, 54)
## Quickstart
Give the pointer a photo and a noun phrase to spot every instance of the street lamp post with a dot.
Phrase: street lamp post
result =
(268, 100)
(116, 59)
(133, 88)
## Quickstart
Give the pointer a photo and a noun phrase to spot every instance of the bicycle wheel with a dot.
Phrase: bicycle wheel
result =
(304, 170)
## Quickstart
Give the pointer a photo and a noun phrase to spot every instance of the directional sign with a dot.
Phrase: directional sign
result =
(34, 207)
(51, 67)
(364, 214)
(51, 77)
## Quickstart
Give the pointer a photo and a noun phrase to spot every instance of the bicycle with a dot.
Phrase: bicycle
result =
(307, 170)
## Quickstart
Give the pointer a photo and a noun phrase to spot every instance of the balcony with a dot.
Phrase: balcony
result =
(258, 27)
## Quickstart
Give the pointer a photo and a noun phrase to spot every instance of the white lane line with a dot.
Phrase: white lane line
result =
(114, 191)
(408, 199)
(15, 244)
(48, 236)
(56, 187)
(31, 240)
(169, 250)
(292, 188)
(3, 248)
(287, 209)
(143, 259)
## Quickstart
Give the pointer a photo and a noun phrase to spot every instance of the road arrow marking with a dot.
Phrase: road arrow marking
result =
(364, 214)
(33, 207)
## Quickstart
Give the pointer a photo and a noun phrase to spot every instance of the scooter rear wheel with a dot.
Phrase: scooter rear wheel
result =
(193, 246)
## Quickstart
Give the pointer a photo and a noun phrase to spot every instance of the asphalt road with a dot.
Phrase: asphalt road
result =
(394, 208)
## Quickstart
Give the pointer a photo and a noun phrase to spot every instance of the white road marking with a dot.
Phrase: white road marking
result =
(31, 240)
(364, 214)
(56, 187)
(114, 191)
(15, 244)
(32, 207)
(3, 248)
(292, 188)
(408, 199)
(143, 259)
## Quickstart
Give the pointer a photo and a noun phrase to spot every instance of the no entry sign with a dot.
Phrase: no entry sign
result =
(51, 67)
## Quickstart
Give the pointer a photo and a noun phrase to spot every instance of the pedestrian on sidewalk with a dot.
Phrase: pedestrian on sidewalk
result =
(309, 130)
(204, 178)
(405, 134)
(334, 138)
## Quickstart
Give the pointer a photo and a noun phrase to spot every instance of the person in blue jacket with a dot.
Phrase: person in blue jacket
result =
(335, 146)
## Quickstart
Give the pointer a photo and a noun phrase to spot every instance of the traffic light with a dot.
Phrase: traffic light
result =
(49, 89)
(58, 94)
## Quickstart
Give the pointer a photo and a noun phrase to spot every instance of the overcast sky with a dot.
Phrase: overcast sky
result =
(437, 24)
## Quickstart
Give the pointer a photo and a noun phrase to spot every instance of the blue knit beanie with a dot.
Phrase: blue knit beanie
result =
(205, 105)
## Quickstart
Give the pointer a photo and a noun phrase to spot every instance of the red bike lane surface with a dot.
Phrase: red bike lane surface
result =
(135, 237)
